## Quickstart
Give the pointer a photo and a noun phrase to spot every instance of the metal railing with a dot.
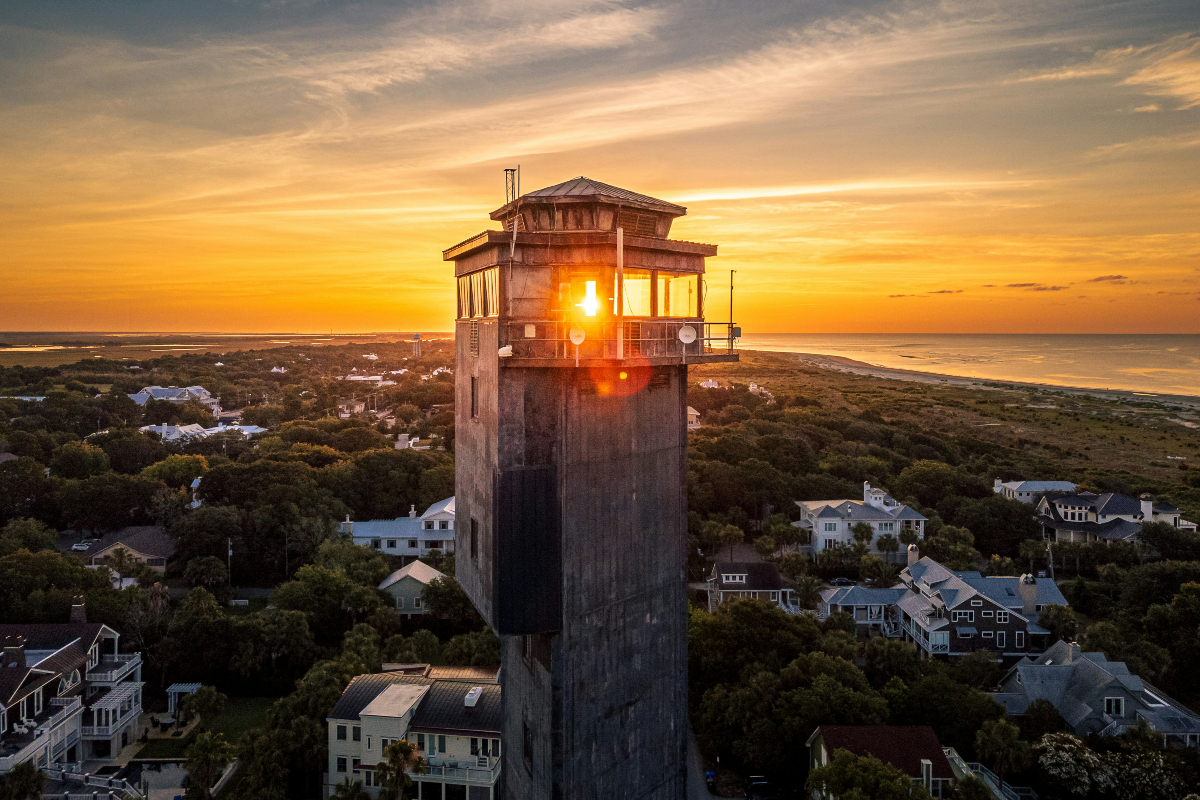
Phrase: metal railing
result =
(918, 633)
(642, 338)
(49, 739)
(474, 775)
(114, 667)
(998, 788)
(115, 725)
(114, 787)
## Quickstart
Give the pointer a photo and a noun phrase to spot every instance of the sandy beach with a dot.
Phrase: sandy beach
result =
(853, 367)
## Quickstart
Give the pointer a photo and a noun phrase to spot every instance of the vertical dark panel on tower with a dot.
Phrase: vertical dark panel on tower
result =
(528, 559)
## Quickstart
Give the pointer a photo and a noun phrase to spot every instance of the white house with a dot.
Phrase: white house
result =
(693, 419)
(830, 521)
(174, 394)
(710, 384)
(176, 433)
(451, 716)
(410, 536)
(1028, 491)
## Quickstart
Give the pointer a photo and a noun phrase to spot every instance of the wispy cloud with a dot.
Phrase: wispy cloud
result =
(1109, 279)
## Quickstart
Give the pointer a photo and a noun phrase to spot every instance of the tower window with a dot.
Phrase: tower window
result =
(474, 340)
(474, 538)
(527, 742)
(475, 395)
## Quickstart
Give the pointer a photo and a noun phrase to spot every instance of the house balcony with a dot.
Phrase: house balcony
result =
(920, 636)
(473, 773)
(115, 668)
(46, 738)
(113, 711)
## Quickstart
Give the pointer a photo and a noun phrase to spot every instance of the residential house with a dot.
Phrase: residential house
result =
(145, 544)
(406, 585)
(710, 384)
(1088, 517)
(912, 749)
(752, 580)
(1030, 491)
(176, 433)
(1095, 695)
(66, 693)
(954, 613)
(454, 723)
(693, 419)
(410, 537)
(873, 609)
(829, 522)
(174, 394)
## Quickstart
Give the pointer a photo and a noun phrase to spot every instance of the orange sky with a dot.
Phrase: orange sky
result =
(900, 167)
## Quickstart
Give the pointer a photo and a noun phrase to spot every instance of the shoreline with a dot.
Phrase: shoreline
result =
(850, 366)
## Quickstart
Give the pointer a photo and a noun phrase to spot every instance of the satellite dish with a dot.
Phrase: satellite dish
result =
(687, 334)
(577, 336)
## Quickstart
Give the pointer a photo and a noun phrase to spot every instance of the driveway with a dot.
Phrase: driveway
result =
(697, 789)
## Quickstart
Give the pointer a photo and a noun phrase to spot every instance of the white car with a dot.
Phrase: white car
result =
(82, 546)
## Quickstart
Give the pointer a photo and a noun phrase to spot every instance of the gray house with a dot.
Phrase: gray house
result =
(1095, 695)
(406, 584)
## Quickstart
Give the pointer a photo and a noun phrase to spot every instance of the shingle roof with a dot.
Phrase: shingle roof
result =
(902, 746)
(760, 576)
(443, 711)
(863, 596)
(474, 674)
(150, 540)
(417, 570)
(54, 636)
(586, 187)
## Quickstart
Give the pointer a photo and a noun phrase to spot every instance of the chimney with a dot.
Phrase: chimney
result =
(866, 491)
(998, 486)
(14, 652)
(412, 512)
(914, 555)
(472, 696)
(347, 526)
(1147, 508)
(78, 611)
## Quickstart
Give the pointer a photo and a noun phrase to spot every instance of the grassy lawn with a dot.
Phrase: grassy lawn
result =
(240, 715)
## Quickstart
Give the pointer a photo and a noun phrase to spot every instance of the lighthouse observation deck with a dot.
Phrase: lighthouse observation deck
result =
(583, 274)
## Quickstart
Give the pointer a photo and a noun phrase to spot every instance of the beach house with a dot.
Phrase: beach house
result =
(830, 523)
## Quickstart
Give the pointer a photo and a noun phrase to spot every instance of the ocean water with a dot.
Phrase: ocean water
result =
(1151, 364)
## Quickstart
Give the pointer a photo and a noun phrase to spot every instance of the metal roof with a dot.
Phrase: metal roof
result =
(582, 187)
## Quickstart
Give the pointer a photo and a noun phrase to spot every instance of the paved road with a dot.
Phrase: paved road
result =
(696, 788)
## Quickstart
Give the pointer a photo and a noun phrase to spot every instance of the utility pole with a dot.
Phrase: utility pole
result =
(731, 309)
(229, 560)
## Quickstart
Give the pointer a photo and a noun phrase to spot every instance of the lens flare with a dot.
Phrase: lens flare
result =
(590, 303)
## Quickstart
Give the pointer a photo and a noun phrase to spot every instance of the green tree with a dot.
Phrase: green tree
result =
(177, 470)
(953, 548)
(714, 535)
(1000, 743)
(23, 782)
(863, 534)
(477, 649)
(852, 777)
(1039, 719)
(399, 758)
(207, 571)
(445, 599)
(363, 565)
(205, 759)
(1060, 621)
(120, 561)
(78, 460)
(954, 711)
(206, 703)
(28, 534)
(979, 669)
(793, 565)
(929, 482)
(887, 543)
(765, 547)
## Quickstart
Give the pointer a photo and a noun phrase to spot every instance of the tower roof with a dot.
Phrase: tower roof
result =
(584, 189)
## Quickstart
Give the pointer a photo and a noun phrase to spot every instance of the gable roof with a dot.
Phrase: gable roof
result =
(417, 570)
(442, 507)
(863, 596)
(1040, 486)
(902, 746)
(149, 540)
(582, 187)
(760, 576)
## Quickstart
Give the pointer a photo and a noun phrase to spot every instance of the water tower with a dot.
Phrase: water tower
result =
(576, 323)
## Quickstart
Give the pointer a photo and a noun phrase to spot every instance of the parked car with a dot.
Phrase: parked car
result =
(759, 788)
(841, 582)
(82, 546)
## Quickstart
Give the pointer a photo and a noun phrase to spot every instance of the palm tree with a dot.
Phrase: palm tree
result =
(1032, 549)
(120, 561)
(399, 759)
(206, 758)
(349, 790)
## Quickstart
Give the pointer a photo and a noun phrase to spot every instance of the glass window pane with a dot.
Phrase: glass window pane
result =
(678, 295)
(637, 293)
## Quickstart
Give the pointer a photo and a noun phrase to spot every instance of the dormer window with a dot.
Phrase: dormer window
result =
(735, 577)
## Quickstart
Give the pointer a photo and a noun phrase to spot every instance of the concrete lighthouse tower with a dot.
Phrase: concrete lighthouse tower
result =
(576, 323)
